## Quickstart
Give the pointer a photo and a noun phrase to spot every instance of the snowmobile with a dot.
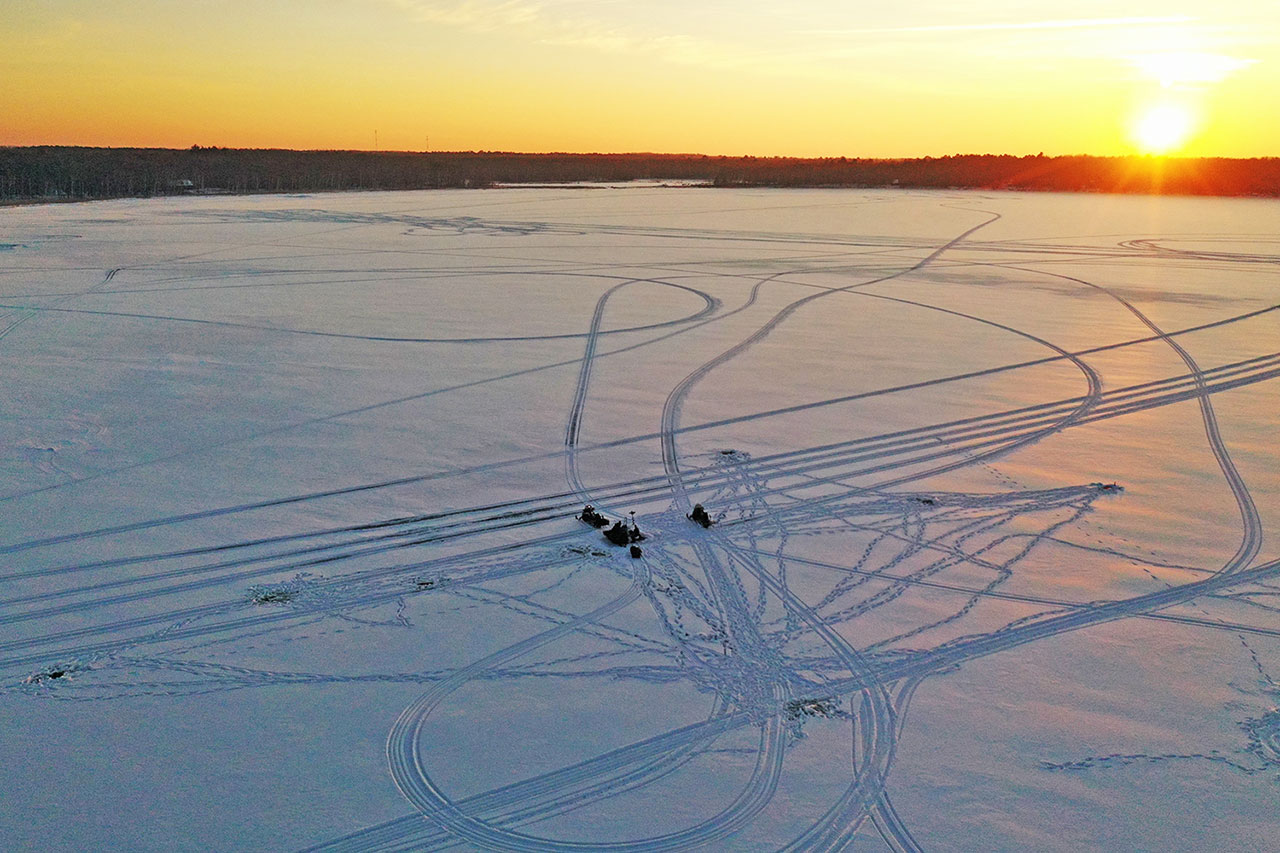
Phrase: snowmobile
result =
(620, 534)
(590, 516)
(700, 516)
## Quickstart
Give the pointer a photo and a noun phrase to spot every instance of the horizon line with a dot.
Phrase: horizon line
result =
(566, 153)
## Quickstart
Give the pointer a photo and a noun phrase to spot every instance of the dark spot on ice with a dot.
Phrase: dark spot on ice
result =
(272, 596)
(585, 551)
(281, 593)
(50, 674)
(431, 583)
(798, 709)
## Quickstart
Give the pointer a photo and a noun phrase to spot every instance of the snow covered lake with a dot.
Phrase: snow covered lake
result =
(289, 554)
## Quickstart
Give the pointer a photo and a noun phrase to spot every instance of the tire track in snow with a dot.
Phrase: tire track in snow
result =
(674, 402)
(707, 309)
(843, 819)
(25, 313)
(420, 478)
(413, 780)
(1251, 541)
(1002, 440)
(917, 667)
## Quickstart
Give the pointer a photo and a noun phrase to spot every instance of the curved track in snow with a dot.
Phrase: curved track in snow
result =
(775, 639)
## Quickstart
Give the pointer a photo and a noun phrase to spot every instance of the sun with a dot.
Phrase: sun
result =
(1162, 128)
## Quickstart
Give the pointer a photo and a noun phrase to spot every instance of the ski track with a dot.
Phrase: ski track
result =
(723, 613)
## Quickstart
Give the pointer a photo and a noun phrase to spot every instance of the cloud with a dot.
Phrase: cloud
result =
(481, 15)
(1173, 68)
(662, 35)
(1055, 24)
(569, 23)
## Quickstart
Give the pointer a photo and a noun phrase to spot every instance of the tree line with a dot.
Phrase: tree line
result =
(57, 172)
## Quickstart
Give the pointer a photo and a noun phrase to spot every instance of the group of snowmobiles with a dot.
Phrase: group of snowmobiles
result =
(626, 535)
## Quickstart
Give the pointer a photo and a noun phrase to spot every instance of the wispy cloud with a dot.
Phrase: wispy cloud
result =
(1174, 68)
(664, 36)
(570, 23)
(479, 15)
(996, 26)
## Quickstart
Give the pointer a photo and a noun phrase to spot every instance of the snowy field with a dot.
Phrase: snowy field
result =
(289, 555)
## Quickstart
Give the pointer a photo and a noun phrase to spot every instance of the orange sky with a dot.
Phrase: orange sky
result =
(820, 78)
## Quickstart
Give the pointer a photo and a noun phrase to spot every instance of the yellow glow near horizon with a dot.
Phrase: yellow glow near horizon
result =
(1163, 128)
(875, 80)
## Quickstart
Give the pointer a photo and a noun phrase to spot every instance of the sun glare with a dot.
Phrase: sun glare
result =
(1162, 128)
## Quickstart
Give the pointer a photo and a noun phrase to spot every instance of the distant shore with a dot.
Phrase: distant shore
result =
(44, 174)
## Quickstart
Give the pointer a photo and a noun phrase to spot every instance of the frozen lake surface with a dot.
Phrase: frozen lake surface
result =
(290, 555)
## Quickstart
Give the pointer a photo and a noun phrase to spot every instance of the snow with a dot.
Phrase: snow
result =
(290, 555)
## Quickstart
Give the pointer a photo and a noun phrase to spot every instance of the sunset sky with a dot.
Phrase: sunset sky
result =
(805, 78)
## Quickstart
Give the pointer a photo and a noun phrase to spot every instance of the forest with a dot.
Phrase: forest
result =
(48, 173)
